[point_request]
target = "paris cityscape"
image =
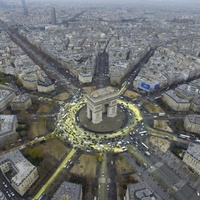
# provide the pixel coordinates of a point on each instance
(99, 100)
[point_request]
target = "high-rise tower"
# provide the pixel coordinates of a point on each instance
(25, 9)
(53, 16)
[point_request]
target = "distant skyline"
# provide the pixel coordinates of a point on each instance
(125, 1)
(174, 4)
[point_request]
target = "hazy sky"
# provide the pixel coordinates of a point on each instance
(132, 2)
(121, 1)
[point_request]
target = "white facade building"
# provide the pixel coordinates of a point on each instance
(85, 77)
(175, 102)
(25, 174)
(8, 125)
(6, 96)
(192, 157)
(21, 102)
(192, 123)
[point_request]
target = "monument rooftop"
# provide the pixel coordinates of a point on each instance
(103, 92)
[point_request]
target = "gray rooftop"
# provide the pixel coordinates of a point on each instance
(7, 124)
(194, 150)
(89, 74)
(5, 94)
(142, 191)
(68, 190)
(174, 96)
(184, 90)
(194, 119)
(196, 100)
(21, 98)
(47, 83)
(22, 166)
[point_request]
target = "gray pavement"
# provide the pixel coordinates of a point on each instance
(169, 175)
(145, 176)
(186, 193)
(103, 180)
(181, 169)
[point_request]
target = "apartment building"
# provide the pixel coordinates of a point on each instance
(24, 173)
(192, 123)
(175, 102)
(21, 102)
(6, 96)
(192, 157)
(8, 134)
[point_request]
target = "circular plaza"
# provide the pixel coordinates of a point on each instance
(72, 127)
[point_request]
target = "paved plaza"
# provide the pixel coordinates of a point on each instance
(108, 125)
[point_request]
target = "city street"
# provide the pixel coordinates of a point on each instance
(54, 176)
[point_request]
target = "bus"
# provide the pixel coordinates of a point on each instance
(64, 116)
(142, 132)
(147, 153)
(157, 97)
(144, 145)
(184, 136)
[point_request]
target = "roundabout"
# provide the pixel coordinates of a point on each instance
(73, 127)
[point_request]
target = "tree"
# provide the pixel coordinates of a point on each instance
(98, 157)
(121, 157)
(35, 155)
